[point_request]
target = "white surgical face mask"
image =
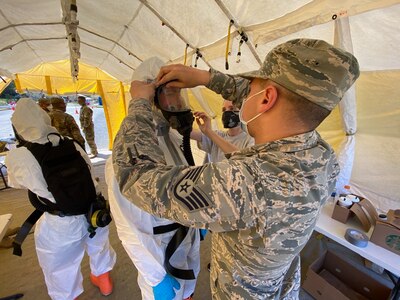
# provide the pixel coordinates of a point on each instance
(245, 123)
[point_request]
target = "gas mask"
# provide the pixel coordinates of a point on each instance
(99, 214)
(174, 108)
(230, 119)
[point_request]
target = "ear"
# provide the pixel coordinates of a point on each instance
(269, 99)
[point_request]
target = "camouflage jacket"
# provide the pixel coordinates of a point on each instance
(261, 204)
(85, 116)
(66, 125)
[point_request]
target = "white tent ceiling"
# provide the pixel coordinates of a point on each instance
(116, 36)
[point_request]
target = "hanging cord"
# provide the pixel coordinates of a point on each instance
(198, 55)
(231, 22)
(187, 151)
(243, 38)
(184, 62)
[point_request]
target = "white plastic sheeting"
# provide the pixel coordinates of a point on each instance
(116, 36)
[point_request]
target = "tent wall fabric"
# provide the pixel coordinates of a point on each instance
(54, 79)
(4, 82)
(116, 36)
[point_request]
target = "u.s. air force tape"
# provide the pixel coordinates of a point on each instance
(356, 237)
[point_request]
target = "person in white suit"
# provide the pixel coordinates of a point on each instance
(140, 232)
(60, 242)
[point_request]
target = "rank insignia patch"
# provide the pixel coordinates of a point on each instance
(187, 192)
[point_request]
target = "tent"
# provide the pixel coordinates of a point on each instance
(4, 82)
(114, 37)
(55, 78)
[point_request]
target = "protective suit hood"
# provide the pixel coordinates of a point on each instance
(148, 69)
(32, 123)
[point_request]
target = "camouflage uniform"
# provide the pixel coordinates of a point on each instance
(66, 125)
(44, 104)
(261, 204)
(85, 118)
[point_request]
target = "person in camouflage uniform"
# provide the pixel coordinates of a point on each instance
(263, 202)
(44, 103)
(63, 122)
(85, 118)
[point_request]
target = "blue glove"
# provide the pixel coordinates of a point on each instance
(203, 233)
(165, 289)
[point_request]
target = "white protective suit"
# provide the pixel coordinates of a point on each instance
(60, 241)
(135, 226)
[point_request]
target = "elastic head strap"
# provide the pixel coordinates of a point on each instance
(54, 133)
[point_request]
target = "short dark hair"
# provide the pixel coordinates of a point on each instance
(44, 100)
(300, 109)
(82, 97)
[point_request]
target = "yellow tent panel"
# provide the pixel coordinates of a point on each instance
(54, 78)
(4, 84)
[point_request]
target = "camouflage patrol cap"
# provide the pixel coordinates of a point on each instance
(55, 101)
(314, 69)
(44, 101)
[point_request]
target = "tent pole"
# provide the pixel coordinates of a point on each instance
(165, 22)
(347, 105)
(101, 93)
(109, 53)
(230, 17)
(122, 91)
(48, 85)
(348, 111)
(18, 84)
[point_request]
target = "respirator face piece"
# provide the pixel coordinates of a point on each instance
(175, 108)
(230, 119)
(170, 99)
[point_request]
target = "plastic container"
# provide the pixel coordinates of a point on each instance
(353, 198)
(344, 202)
(333, 198)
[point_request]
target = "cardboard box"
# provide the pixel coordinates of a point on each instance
(332, 277)
(341, 214)
(387, 233)
(364, 211)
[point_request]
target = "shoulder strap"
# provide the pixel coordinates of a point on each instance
(62, 139)
(54, 133)
(71, 140)
(41, 203)
(38, 150)
(24, 231)
(173, 245)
